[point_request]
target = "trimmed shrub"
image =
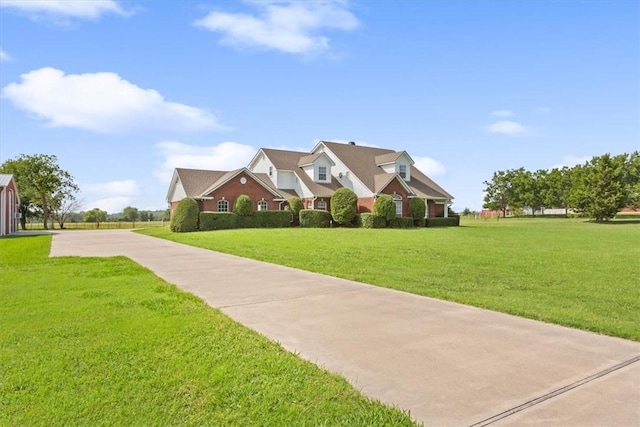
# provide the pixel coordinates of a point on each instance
(402, 222)
(385, 207)
(357, 221)
(217, 221)
(185, 216)
(295, 206)
(344, 206)
(272, 219)
(243, 206)
(417, 209)
(314, 218)
(452, 221)
(370, 220)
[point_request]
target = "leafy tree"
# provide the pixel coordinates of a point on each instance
(185, 216)
(95, 215)
(41, 183)
(604, 185)
(385, 207)
(295, 206)
(557, 188)
(146, 216)
(130, 214)
(499, 192)
(243, 206)
(344, 206)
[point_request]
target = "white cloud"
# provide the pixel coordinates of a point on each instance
(64, 9)
(286, 26)
(429, 166)
(224, 156)
(502, 113)
(4, 56)
(111, 205)
(507, 127)
(101, 102)
(114, 195)
(572, 161)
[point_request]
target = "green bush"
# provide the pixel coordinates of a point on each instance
(243, 206)
(229, 220)
(295, 206)
(452, 221)
(272, 219)
(402, 222)
(185, 216)
(369, 220)
(265, 219)
(344, 206)
(314, 218)
(417, 209)
(357, 221)
(385, 207)
(217, 221)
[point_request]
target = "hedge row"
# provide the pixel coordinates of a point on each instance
(313, 218)
(369, 220)
(229, 220)
(452, 221)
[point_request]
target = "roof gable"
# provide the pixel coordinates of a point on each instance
(227, 176)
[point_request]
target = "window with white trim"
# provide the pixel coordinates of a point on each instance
(270, 170)
(397, 198)
(322, 173)
(402, 171)
(262, 205)
(398, 208)
(322, 205)
(309, 204)
(223, 206)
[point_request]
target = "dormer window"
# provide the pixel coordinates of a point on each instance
(402, 171)
(322, 173)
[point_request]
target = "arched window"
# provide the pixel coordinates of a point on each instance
(262, 205)
(398, 200)
(223, 206)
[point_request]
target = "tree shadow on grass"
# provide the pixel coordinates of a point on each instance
(618, 222)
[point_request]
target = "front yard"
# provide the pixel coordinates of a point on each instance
(102, 341)
(563, 271)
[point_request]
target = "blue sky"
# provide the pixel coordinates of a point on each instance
(124, 91)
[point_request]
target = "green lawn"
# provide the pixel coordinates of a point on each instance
(102, 341)
(563, 271)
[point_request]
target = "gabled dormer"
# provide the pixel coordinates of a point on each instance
(398, 162)
(317, 167)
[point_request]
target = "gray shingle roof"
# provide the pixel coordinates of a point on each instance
(363, 162)
(196, 181)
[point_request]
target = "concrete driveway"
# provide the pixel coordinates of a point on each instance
(449, 364)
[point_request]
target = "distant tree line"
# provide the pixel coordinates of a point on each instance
(598, 189)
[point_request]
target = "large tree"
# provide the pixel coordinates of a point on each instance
(557, 188)
(499, 193)
(95, 215)
(130, 214)
(605, 184)
(42, 184)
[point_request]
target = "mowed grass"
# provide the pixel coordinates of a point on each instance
(102, 341)
(565, 271)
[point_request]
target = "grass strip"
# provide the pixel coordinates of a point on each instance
(564, 271)
(102, 341)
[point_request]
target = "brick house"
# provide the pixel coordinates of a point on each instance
(273, 176)
(9, 201)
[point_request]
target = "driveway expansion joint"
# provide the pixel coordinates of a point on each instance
(554, 393)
